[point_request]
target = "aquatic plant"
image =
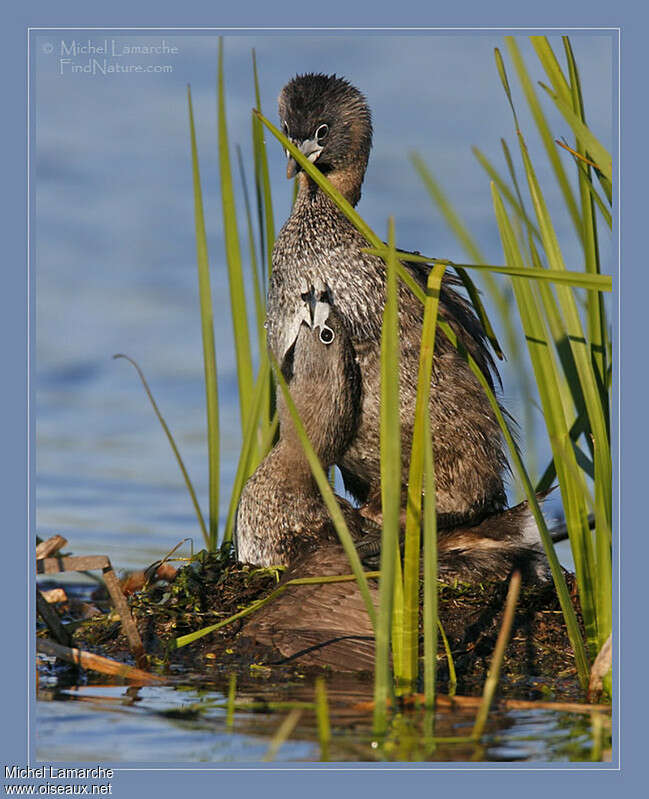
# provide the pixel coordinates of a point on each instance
(570, 360)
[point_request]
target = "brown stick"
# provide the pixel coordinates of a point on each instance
(472, 702)
(51, 619)
(54, 595)
(88, 563)
(53, 544)
(95, 662)
(128, 625)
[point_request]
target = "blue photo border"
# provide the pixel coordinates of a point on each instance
(18, 460)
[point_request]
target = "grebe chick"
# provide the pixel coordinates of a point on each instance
(281, 514)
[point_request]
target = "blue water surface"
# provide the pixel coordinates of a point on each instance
(115, 257)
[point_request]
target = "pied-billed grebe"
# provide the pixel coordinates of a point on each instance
(327, 624)
(281, 513)
(330, 121)
(282, 519)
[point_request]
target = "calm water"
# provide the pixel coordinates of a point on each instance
(114, 271)
(186, 725)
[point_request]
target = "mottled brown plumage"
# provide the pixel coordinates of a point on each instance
(283, 520)
(328, 624)
(281, 513)
(330, 121)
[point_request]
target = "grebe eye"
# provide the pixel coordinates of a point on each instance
(327, 335)
(321, 133)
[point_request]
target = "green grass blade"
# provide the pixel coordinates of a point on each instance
(430, 571)
(341, 202)
(584, 169)
(207, 332)
(233, 256)
(262, 177)
(551, 66)
(247, 462)
(501, 298)
(519, 469)
(415, 479)
(189, 638)
(260, 309)
(544, 131)
(465, 239)
(603, 538)
(283, 733)
(232, 692)
(575, 333)
(452, 675)
(173, 446)
(322, 718)
(450, 215)
(562, 276)
(390, 432)
(491, 683)
(546, 373)
(596, 315)
(563, 91)
(260, 305)
(596, 151)
(506, 192)
(548, 477)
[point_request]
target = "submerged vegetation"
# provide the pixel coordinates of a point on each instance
(568, 342)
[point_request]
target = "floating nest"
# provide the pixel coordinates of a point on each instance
(539, 662)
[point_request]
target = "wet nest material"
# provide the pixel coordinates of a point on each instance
(539, 663)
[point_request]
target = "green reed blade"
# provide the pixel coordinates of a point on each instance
(452, 675)
(574, 330)
(341, 202)
(430, 570)
(463, 236)
(172, 443)
(560, 276)
(415, 479)
(501, 298)
(546, 373)
(283, 733)
(491, 683)
(247, 461)
(314, 173)
(260, 309)
(562, 90)
(596, 151)
(544, 131)
(322, 718)
(232, 692)
(233, 255)
(568, 383)
(207, 332)
(519, 469)
(551, 66)
(262, 177)
(260, 304)
(320, 476)
(189, 638)
(584, 169)
(390, 432)
(603, 539)
(506, 192)
(596, 314)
